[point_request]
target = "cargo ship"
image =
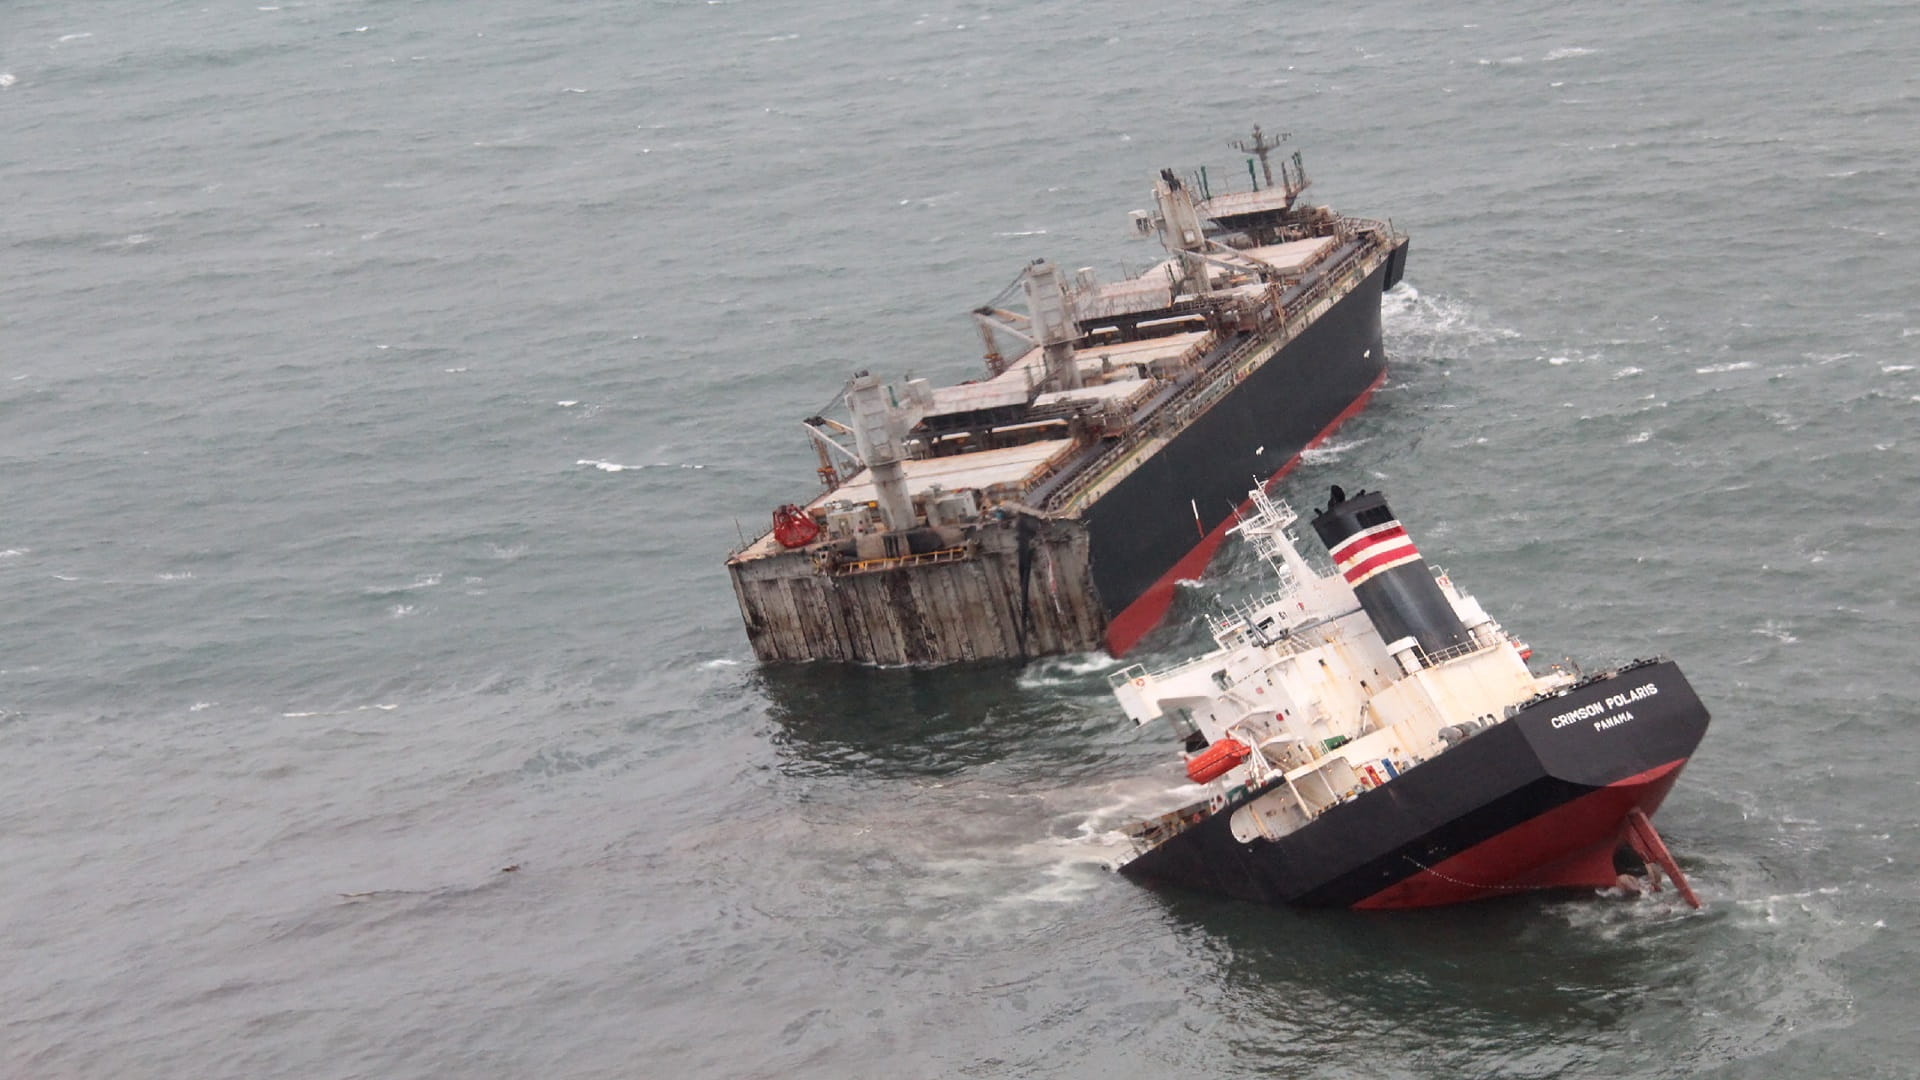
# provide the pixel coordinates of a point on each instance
(1051, 505)
(1367, 736)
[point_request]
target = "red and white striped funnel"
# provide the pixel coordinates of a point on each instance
(1393, 583)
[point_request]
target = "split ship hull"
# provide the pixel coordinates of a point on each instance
(1101, 571)
(1541, 801)
(1166, 519)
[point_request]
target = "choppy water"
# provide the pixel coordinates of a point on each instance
(380, 385)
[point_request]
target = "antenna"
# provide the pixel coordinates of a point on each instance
(1259, 146)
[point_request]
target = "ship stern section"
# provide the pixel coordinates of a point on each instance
(1544, 800)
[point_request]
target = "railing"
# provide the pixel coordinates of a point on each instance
(1243, 618)
(1455, 652)
(901, 562)
(1116, 464)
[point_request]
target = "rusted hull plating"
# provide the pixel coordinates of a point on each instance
(1021, 588)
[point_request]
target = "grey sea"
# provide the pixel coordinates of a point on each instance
(382, 386)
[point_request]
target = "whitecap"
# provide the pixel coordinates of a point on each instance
(7, 79)
(719, 662)
(1640, 438)
(421, 581)
(183, 575)
(199, 705)
(1895, 369)
(1719, 369)
(608, 466)
(1628, 372)
(1028, 232)
(1330, 452)
(1409, 312)
(12, 553)
(1568, 53)
(338, 712)
(566, 404)
(82, 36)
(1073, 664)
(400, 611)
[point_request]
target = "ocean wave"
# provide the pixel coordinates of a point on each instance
(1410, 315)
(1329, 452)
(614, 466)
(1064, 670)
(338, 712)
(422, 581)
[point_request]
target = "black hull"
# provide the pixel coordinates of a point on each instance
(1537, 802)
(1144, 535)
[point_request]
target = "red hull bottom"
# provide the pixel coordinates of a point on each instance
(1570, 846)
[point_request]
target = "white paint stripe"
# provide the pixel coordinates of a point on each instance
(1363, 534)
(1383, 568)
(1372, 551)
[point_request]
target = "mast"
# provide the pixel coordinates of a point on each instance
(1259, 146)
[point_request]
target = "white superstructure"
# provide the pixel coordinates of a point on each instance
(1301, 688)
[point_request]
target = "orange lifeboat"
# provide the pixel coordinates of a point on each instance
(1215, 760)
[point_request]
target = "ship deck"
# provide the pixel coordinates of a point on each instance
(1146, 357)
(1007, 472)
